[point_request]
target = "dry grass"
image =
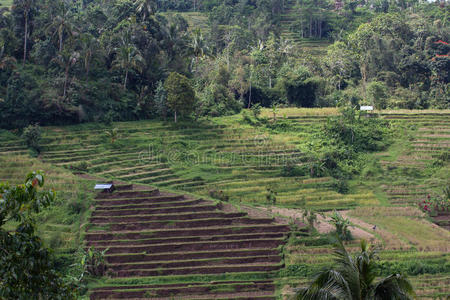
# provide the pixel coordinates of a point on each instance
(416, 231)
(386, 212)
(301, 112)
(415, 111)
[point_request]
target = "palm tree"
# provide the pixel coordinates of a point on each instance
(66, 60)
(26, 6)
(61, 25)
(145, 8)
(89, 48)
(128, 57)
(198, 45)
(354, 278)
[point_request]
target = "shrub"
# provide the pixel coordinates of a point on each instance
(76, 207)
(341, 224)
(80, 167)
(246, 118)
(271, 196)
(55, 240)
(256, 110)
(32, 136)
(341, 186)
(377, 94)
(359, 133)
(219, 195)
(293, 170)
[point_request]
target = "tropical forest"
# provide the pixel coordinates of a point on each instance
(234, 149)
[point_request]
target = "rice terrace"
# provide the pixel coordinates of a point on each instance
(206, 149)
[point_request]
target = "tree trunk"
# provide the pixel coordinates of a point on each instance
(87, 72)
(250, 94)
(60, 41)
(364, 78)
(65, 82)
(25, 39)
(125, 81)
(175, 115)
(310, 26)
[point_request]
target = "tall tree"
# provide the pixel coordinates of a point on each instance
(145, 8)
(128, 58)
(66, 60)
(180, 95)
(26, 6)
(354, 278)
(61, 25)
(198, 45)
(89, 48)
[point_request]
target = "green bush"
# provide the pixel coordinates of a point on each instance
(55, 240)
(293, 170)
(341, 186)
(377, 94)
(32, 137)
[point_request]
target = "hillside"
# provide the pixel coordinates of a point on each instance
(229, 160)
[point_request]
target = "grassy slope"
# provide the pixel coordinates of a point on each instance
(6, 3)
(61, 225)
(406, 236)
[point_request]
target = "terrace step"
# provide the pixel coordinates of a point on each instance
(139, 257)
(147, 173)
(170, 224)
(169, 204)
(274, 259)
(152, 200)
(200, 270)
(127, 194)
(212, 290)
(211, 238)
(127, 211)
(194, 246)
(163, 217)
(171, 233)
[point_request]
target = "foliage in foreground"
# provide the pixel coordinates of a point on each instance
(354, 278)
(27, 265)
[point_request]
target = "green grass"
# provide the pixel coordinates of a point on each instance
(6, 3)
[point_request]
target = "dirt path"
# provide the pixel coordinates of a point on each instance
(323, 226)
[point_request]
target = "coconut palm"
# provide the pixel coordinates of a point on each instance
(60, 25)
(26, 6)
(128, 57)
(89, 48)
(198, 46)
(353, 278)
(145, 8)
(66, 60)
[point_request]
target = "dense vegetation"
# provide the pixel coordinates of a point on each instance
(74, 61)
(27, 264)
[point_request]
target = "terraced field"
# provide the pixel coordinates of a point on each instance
(409, 169)
(149, 234)
(60, 225)
(237, 161)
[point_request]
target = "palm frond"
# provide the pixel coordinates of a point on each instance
(327, 285)
(393, 287)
